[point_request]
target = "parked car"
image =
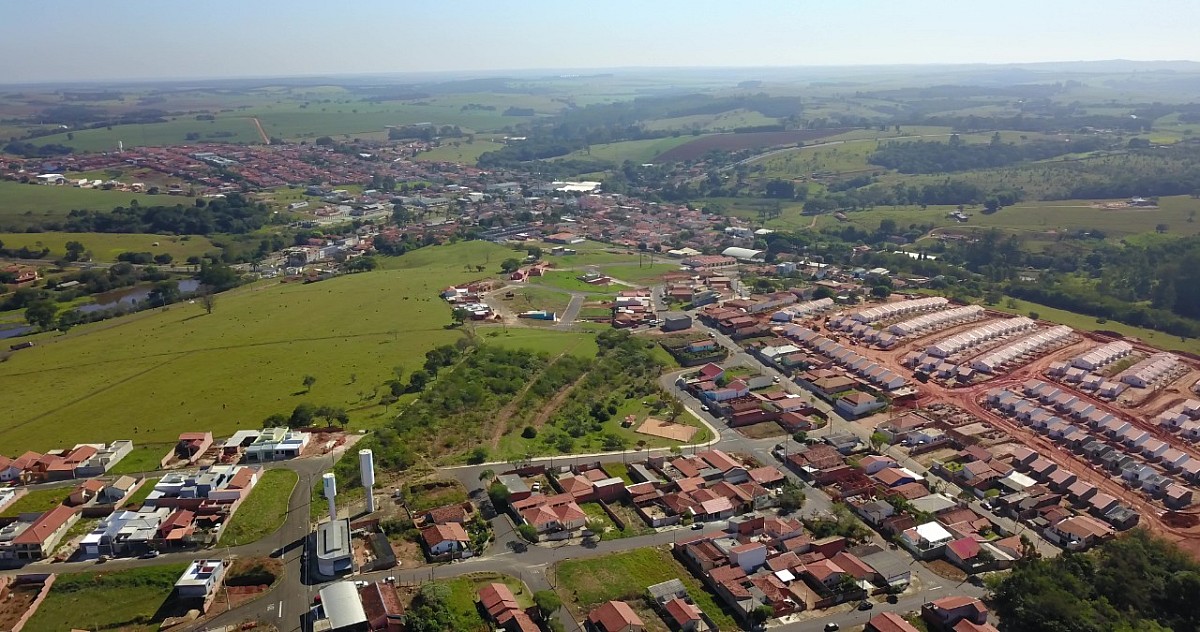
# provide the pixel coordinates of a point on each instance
(832, 627)
(865, 605)
(696, 526)
(149, 555)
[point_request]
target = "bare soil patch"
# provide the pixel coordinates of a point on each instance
(667, 430)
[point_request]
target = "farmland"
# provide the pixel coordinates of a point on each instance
(741, 142)
(637, 151)
(154, 374)
(24, 204)
(106, 246)
(464, 152)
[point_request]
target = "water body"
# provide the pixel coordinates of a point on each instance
(14, 331)
(129, 297)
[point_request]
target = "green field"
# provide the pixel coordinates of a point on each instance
(142, 492)
(106, 246)
(461, 152)
(539, 340)
(152, 375)
(226, 128)
(567, 280)
(143, 458)
(37, 501)
(637, 151)
(130, 600)
(25, 204)
(463, 605)
(645, 274)
(263, 511)
(533, 298)
(584, 584)
(725, 121)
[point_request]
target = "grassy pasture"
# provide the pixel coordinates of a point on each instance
(106, 246)
(638, 151)
(225, 128)
(129, 600)
(151, 375)
(36, 501)
(263, 511)
(729, 120)
(23, 204)
(463, 153)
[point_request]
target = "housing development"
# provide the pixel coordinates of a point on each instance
(789, 348)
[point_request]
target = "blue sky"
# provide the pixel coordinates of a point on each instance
(124, 39)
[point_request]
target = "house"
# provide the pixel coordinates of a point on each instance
(37, 539)
(965, 553)
(383, 608)
(117, 490)
(549, 518)
(125, 532)
(85, 492)
(277, 443)
(947, 612)
(192, 445)
(685, 616)
(1178, 496)
(889, 622)
(858, 403)
(899, 428)
(826, 572)
(501, 606)
(614, 616)
(445, 539)
(200, 581)
(1077, 532)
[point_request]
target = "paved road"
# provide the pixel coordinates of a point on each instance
(567, 319)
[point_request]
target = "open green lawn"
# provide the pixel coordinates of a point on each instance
(637, 151)
(539, 339)
(462, 601)
(263, 511)
(460, 151)
(152, 375)
(533, 298)
(129, 600)
(106, 246)
(584, 584)
(226, 128)
(646, 274)
(23, 204)
(142, 492)
(143, 458)
(567, 280)
(37, 501)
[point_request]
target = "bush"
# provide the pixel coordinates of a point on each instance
(478, 455)
(547, 601)
(528, 532)
(529, 432)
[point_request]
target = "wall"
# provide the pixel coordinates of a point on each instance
(47, 582)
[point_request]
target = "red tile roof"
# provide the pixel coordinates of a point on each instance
(438, 533)
(45, 526)
(681, 611)
(890, 622)
(496, 598)
(615, 615)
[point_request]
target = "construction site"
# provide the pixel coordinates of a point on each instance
(1115, 413)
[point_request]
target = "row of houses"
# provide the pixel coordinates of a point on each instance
(85, 460)
(708, 486)
(872, 372)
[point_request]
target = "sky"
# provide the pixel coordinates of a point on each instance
(73, 40)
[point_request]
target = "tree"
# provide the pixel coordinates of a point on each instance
(878, 439)
(510, 265)
(323, 141)
(308, 382)
(487, 474)
(41, 314)
(417, 381)
(460, 315)
(529, 532)
(478, 455)
(759, 615)
(208, 299)
(791, 498)
(1161, 228)
(75, 250)
(163, 259)
(529, 432)
(676, 408)
(547, 602)
(499, 495)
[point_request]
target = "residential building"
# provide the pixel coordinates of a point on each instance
(200, 581)
(446, 539)
(889, 622)
(29, 541)
(614, 616)
(273, 444)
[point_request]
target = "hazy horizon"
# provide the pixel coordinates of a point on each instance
(141, 40)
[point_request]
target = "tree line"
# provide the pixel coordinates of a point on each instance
(921, 156)
(234, 214)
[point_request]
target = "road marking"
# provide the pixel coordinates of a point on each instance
(280, 608)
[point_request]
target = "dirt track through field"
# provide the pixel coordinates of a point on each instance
(261, 133)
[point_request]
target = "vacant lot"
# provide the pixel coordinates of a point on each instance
(176, 367)
(584, 584)
(143, 458)
(106, 246)
(463, 608)
(37, 501)
(462, 152)
(133, 600)
(740, 142)
(264, 511)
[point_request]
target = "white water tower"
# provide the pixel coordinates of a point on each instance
(366, 472)
(329, 482)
